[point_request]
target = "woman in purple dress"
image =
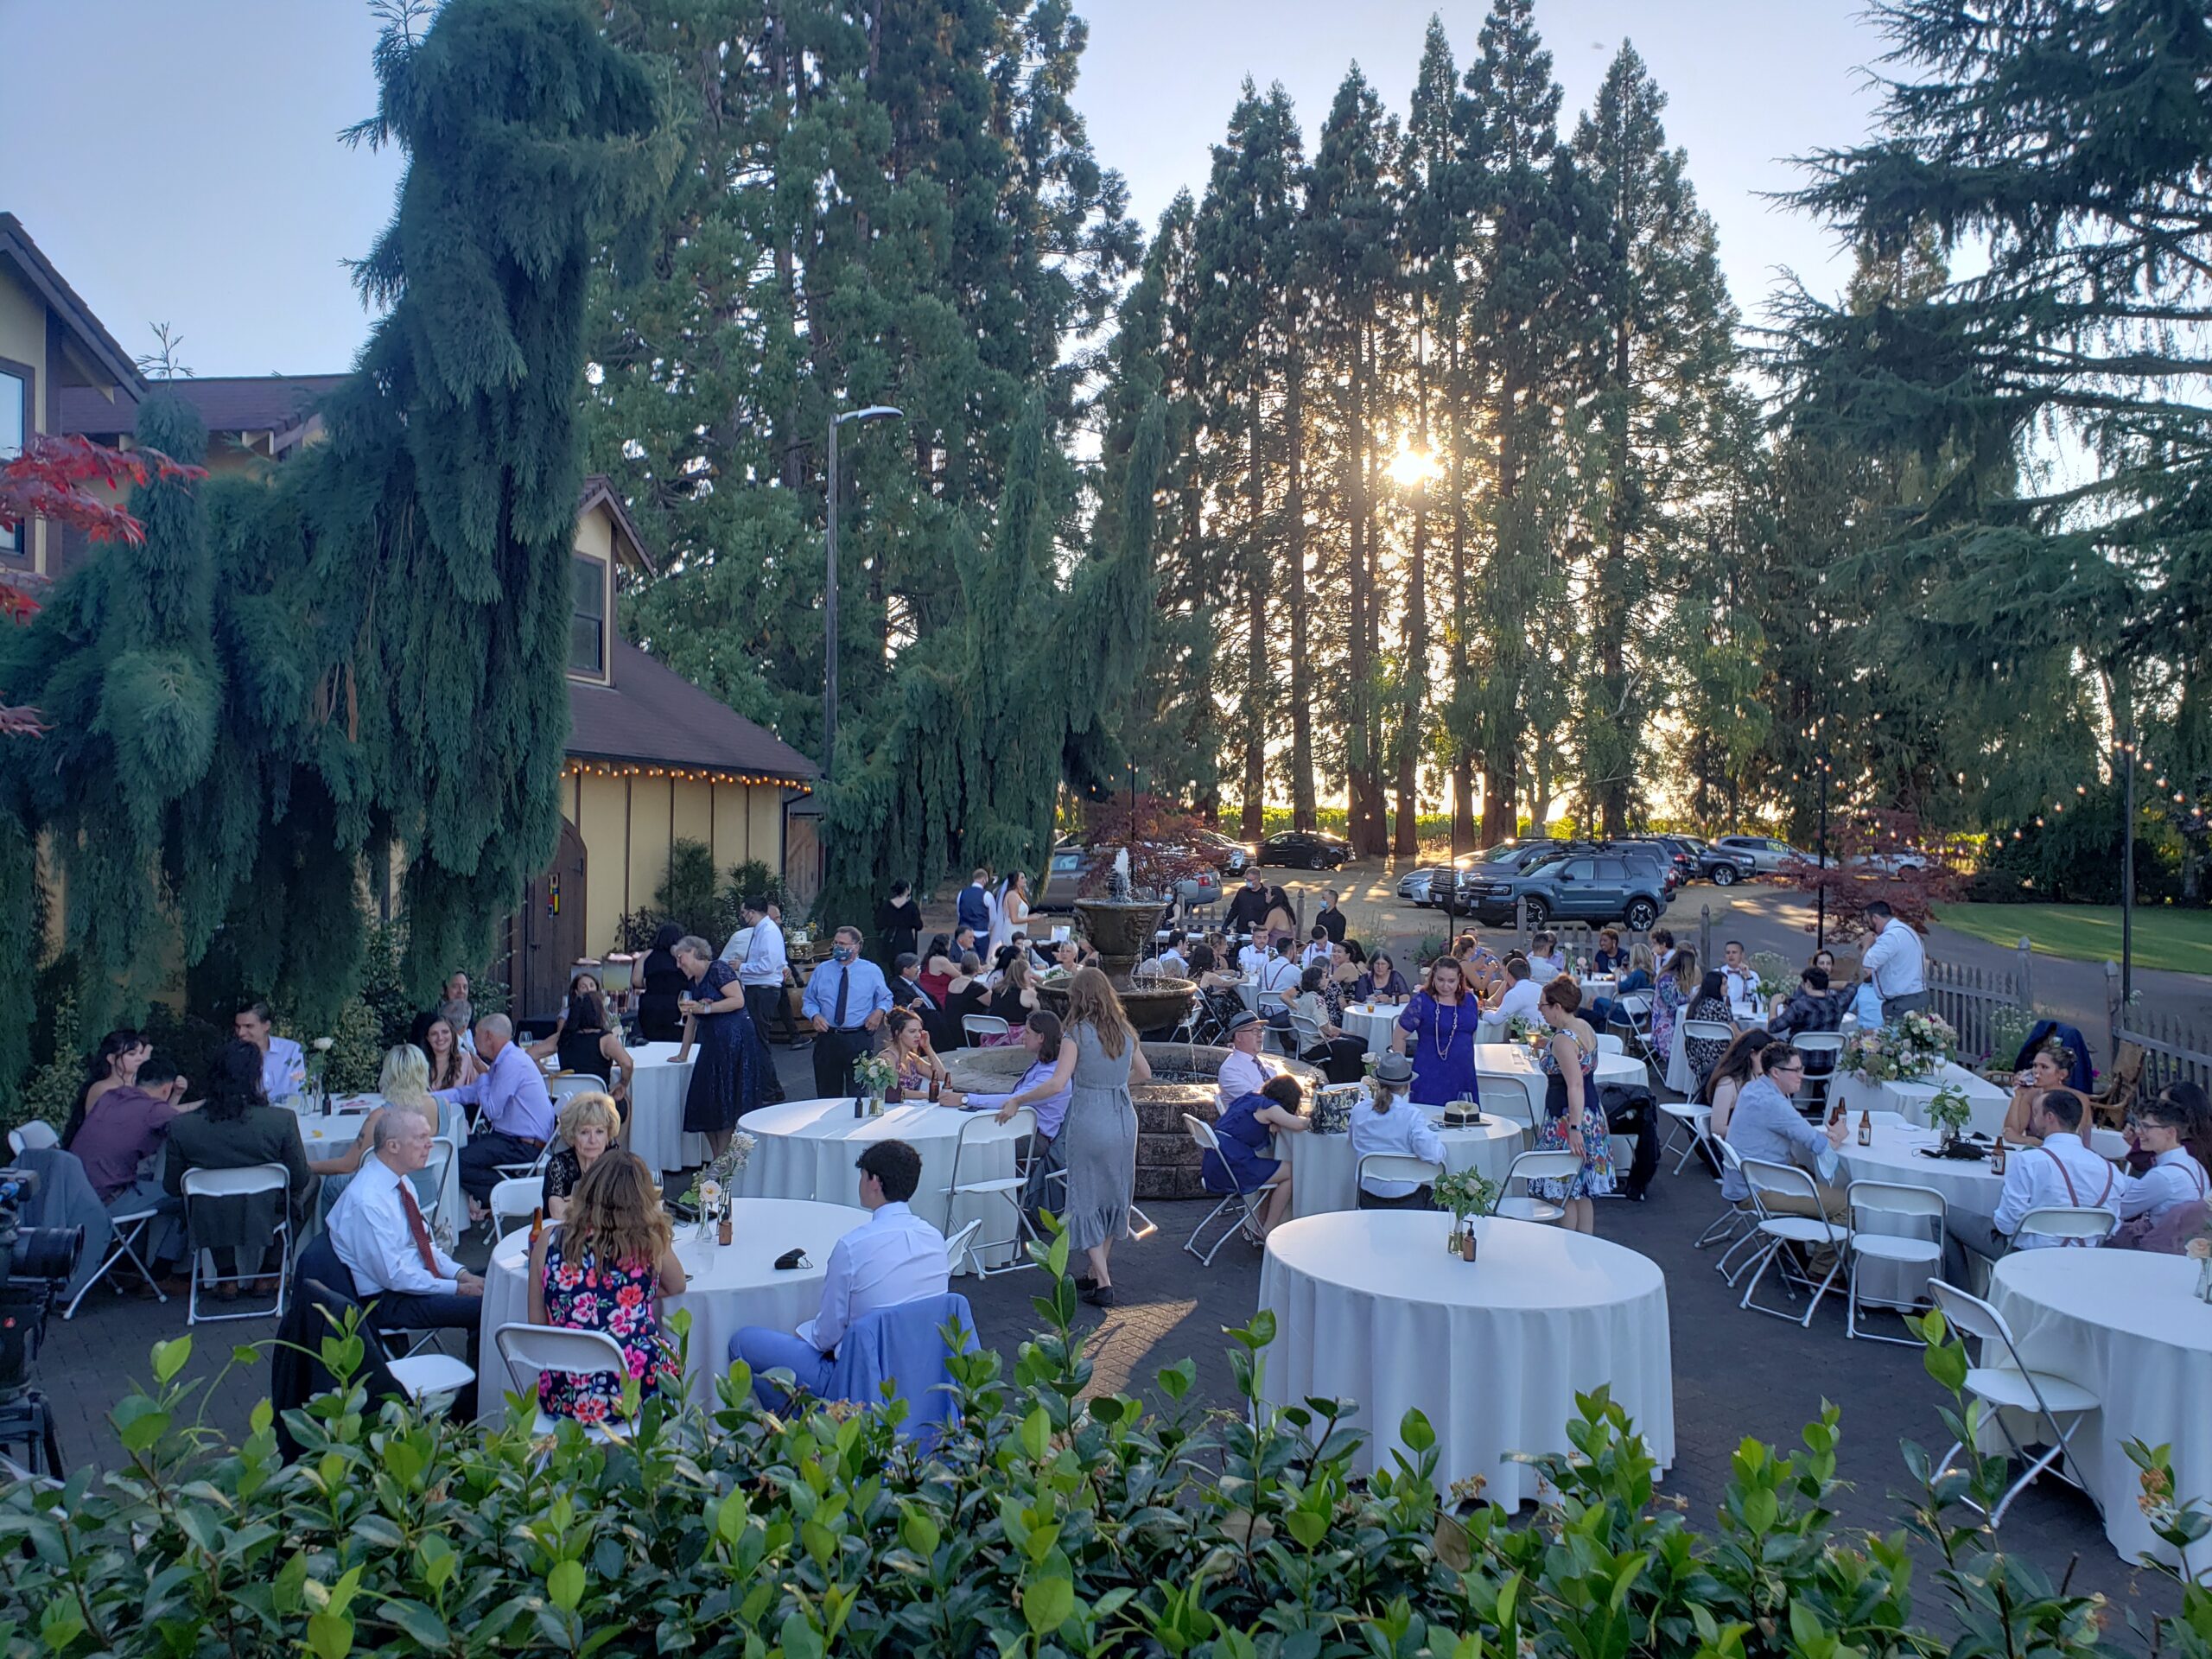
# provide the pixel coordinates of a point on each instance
(1439, 1027)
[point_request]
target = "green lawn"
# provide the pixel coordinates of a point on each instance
(2164, 938)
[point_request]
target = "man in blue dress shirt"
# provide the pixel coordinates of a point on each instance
(846, 1001)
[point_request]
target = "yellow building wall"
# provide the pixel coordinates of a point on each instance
(595, 532)
(628, 824)
(22, 337)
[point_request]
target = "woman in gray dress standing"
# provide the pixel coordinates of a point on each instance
(1098, 1061)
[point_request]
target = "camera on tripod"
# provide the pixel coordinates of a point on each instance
(38, 1263)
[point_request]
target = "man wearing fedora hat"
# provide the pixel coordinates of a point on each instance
(1247, 1070)
(1390, 1124)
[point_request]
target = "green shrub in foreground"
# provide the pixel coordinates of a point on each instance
(1050, 1525)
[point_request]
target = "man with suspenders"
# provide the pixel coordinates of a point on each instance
(2061, 1173)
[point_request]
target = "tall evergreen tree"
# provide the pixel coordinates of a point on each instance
(367, 654)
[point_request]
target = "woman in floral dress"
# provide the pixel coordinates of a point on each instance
(606, 1268)
(1677, 986)
(1573, 1121)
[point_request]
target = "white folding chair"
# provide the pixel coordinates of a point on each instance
(1632, 1018)
(124, 1246)
(33, 1136)
(534, 1348)
(1812, 1098)
(517, 1197)
(1737, 1224)
(1688, 1114)
(957, 1247)
(1250, 1198)
(1707, 1031)
(1915, 1206)
(1781, 1231)
(430, 1372)
(1610, 1043)
(565, 1085)
(1549, 1166)
(977, 1026)
(1509, 1096)
(2078, 1226)
(1022, 1126)
(218, 1185)
(443, 1152)
(2012, 1386)
(1395, 1166)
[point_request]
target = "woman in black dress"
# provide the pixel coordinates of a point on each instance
(586, 1045)
(1711, 1003)
(726, 1081)
(658, 1019)
(966, 994)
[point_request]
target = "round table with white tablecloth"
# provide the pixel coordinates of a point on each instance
(1325, 1172)
(1371, 1023)
(807, 1149)
(1895, 1157)
(653, 1119)
(327, 1137)
(1909, 1100)
(2126, 1326)
(1370, 1308)
(731, 1285)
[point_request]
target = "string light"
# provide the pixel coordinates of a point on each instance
(679, 774)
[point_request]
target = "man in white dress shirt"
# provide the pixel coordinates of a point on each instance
(760, 963)
(1246, 1071)
(895, 1257)
(284, 1068)
(1736, 975)
(1895, 964)
(1279, 971)
(1523, 995)
(378, 1228)
(2061, 1173)
(2175, 1180)
(1388, 1121)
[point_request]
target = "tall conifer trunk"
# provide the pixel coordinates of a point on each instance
(1256, 643)
(1303, 815)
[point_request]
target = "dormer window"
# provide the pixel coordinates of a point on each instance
(15, 382)
(587, 624)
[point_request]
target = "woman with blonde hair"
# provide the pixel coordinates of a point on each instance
(606, 1268)
(404, 1083)
(906, 1042)
(587, 1125)
(1099, 1059)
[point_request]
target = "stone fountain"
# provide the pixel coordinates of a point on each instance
(1119, 930)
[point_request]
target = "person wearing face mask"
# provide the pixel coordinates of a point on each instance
(847, 1001)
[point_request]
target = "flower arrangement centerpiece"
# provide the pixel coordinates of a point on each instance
(1525, 1028)
(1949, 1111)
(1912, 1045)
(1466, 1193)
(1772, 974)
(874, 1074)
(710, 1193)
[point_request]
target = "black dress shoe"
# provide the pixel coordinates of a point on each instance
(1099, 1295)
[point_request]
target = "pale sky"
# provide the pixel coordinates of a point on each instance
(179, 163)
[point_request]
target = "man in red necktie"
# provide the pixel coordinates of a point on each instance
(380, 1233)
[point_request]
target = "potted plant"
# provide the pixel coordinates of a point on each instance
(1949, 1111)
(1466, 1193)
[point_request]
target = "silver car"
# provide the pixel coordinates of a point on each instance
(1767, 855)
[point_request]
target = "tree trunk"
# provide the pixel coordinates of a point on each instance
(1415, 628)
(1357, 758)
(1375, 842)
(1303, 815)
(1612, 599)
(1463, 772)
(1255, 661)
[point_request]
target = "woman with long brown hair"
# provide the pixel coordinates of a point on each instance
(1439, 1025)
(451, 1065)
(606, 1268)
(1099, 1059)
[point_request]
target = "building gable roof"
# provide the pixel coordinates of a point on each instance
(226, 402)
(651, 716)
(102, 347)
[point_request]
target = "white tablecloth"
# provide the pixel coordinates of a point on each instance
(1370, 1308)
(1909, 1100)
(806, 1150)
(1505, 1070)
(655, 1127)
(1325, 1174)
(326, 1137)
(2126, 1326)
(1895, 1157)
(730, 1286)
(1371, 1023)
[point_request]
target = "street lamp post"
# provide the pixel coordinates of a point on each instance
(874, 412)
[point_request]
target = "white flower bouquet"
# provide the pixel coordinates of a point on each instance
(1911, 1047)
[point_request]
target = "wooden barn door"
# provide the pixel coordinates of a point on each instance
(551, 930)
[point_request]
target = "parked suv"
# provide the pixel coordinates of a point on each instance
(1722, 866)
(1767, 855)
(1596, 885)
